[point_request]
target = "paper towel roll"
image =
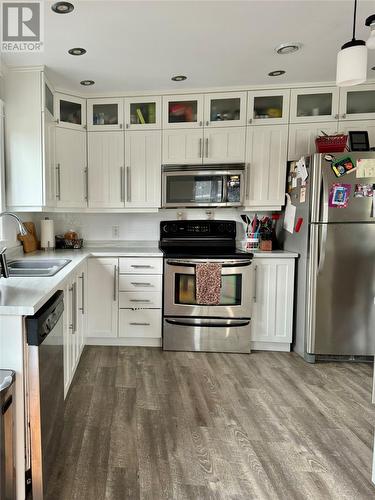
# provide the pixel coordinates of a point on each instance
(47, 234)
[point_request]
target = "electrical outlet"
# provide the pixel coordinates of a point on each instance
(115, 232)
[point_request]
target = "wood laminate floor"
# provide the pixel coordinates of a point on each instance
(145, 424)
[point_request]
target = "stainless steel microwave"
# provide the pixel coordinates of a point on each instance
(203, 185)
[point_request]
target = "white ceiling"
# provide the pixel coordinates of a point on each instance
(139, 45)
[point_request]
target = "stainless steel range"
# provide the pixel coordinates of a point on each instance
(192, 326)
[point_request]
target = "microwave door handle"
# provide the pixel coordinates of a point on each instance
(224, 194)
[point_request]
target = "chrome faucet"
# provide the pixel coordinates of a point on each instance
(4, 271)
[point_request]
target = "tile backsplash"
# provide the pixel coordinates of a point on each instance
(129, 227)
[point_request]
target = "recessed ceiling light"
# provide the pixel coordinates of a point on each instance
(288, 48)
(77, 51)
(278, 72)
(179, 78)
(87, 83)
(62, 7)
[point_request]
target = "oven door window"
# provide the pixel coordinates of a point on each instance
(231, 289)
(194, 189)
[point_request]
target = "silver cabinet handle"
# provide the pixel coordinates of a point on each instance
(120, 125)
(122, 184)
(58, 192)
(247, 189)
(140, 324)
(336, 117)
(200, 148)
(140, 284)
(140, 300)
(128, 187)
(255, 284)
(87, 183)
(82, 308)
(73, 324)
(250, 120)
(114, 283)
(140, 266)
(343, 116)
(200, 123)
(127, 125)
(206, 147)
(207, 123)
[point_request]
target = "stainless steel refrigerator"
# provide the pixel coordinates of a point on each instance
(335, 288)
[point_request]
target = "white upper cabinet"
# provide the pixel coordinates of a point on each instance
(225, 110)
(183, 111)
(71, 171)
(182, 147)
(302, 137)
(224, 145)
(142, 113)
(70, 111)
(105, 114)
(268, 107)
(106, 169)
(314, 105)
(266, 158)
(357, 103)
(49, 158)
(142, 169)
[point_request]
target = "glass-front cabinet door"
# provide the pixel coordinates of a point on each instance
(357, 103)
(143, 113)
(268, 107)
(314, 105)
(71, 111)
(225, 110)
(183, 111)
(105, 114)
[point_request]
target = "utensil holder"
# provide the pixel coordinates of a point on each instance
(252, 242)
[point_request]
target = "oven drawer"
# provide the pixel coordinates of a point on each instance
(140, 283)
(140, 299)
(140, 323)
(206, 334)
(141, 266)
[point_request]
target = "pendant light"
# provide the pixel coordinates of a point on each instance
(352, 60)
(370, 21)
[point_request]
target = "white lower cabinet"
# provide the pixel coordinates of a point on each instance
(266, 159)
(102, 297)
(302, 137)
(140, 323)
(272, 316)
(140, 300)
(74, 320)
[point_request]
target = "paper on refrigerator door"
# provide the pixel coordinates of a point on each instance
(301, 169)
(290, 215)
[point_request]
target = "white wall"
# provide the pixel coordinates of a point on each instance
(132, 227)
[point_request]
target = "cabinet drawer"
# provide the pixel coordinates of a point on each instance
(140, 283)
(143, 323)
(139, 299)
(141, 266)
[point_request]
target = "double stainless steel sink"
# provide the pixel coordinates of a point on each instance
(36, 267)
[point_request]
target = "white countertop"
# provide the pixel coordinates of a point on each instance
(23, 296)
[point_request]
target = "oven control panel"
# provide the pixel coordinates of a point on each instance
(198, 228)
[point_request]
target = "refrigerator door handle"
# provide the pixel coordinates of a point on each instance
(322, 238)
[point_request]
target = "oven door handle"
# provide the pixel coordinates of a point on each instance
(222, 323)
(192, 263)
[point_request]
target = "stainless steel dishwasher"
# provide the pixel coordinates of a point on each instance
(46, 390)
(7, 470)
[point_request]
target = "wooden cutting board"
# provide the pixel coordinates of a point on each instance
(30, 241)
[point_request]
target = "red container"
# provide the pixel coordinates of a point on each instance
(331, 143)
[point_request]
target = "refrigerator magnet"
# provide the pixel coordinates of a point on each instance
(343, 166)
(302, 195)
(339, 195)
(364, 191)
(365, 167)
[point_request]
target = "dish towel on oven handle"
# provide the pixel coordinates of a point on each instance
(208, 283)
